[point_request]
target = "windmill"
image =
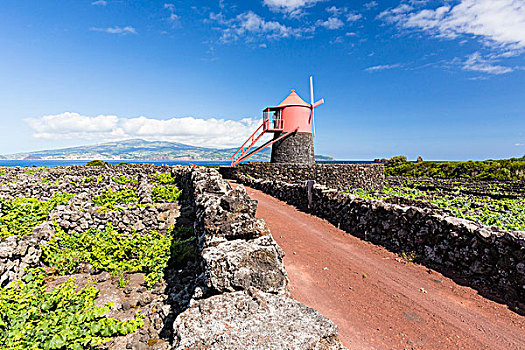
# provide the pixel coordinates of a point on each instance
(292, 123)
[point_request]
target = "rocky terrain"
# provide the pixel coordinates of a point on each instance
(171, 258)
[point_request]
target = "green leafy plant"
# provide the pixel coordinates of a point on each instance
(125, 180)
(31, 172)
(2, 172)
(21, 215)
(506, 213)
(110, 198)
(65, 318)
(168, 193)
(165, 179)
(182, 248)
(485, 170)
(114, 252)
(84, 181)
(100, 178)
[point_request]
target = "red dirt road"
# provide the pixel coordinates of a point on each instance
(379, 302)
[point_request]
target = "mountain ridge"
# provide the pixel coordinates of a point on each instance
(137, 149)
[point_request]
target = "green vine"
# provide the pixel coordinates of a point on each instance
(165, 179)
(64, 318)
(125, 180)
(487, 169)
(109, 199)
(31, 172)
(20, 216)
(168, 194)
(506, 213)
(111, 251)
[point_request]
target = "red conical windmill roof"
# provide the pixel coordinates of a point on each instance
(293, 100)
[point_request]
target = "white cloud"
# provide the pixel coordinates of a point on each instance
(352, 16)
(335, 11)
(250, 26)
(370, 5)
(194, 131)
(173, 17)
(499, 23)
(334, 21)
(331, 23)
(519, 144)
(99, 3)
(383, 67)
(251, 22)
(115, 30)
(337, 40)
(477, 63)
(292, 7)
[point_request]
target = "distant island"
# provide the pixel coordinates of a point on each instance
(138, 149)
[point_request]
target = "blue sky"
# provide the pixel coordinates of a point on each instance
(440, 79)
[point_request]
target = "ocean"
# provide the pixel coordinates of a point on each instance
(55, 163)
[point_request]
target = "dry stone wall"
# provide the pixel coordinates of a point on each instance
(333, 175)
(488, 258)
(18, 254)
(241, 299)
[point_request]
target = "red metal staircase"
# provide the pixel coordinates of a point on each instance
(269, 124)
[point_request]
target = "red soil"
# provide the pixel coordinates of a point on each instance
(378, 300)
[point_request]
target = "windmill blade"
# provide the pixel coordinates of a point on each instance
(311, 90)
(318, 103)
(313, 123)
(312, 104)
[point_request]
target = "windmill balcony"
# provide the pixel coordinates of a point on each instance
(272, 121)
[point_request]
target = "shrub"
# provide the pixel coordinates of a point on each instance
(97, 163)
(484, 170)
(397, 160)
(64, 318)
